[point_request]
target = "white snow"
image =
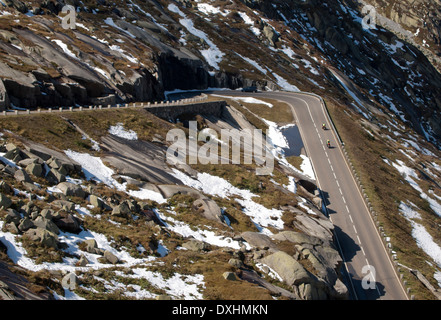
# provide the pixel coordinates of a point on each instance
(292, 185)
(109, 21)
(254, 64)
(216, 186)
(306, 166)
(65, 49)
(247, 100)
(250, 22)
(423, 239)
(210, 9)
(284, 84)
(124, 54)
(213, 56)
(119, 131)
(410, 175)
(94, 168)
(182, 286)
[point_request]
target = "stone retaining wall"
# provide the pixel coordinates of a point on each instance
(173, 111)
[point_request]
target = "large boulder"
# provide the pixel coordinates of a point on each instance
(22, 176)
(316, 226)
(55, 177)
(5, 202)
(289, 269)
(67, 222)
(195, 245)
(4, 98)
(45, 237)
(297, 237)
(71, 189)
(208, 209)
(35, 169)
(122, 210)
(258, 240)
(46, 224)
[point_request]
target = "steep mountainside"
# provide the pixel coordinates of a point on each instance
(134, 50)
(382, 86)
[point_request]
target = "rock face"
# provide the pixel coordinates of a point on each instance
(70, 189)
(291, 271)
(4, 99)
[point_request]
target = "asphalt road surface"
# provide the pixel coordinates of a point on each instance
(368, 269)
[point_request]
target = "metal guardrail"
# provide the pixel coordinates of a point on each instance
(147, 105)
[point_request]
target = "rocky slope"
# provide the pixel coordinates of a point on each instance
(136, 50)
(121, 223)
(382, 85)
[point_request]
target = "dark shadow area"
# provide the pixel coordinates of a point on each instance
(326, 202)
(348, 246)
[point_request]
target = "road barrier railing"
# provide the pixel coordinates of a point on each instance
(76, 108)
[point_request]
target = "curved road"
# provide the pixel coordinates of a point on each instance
(364, 255)
(361, 247)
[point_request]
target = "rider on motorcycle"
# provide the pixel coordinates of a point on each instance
(328, 143)
(324, 126)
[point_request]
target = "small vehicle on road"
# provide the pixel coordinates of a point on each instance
(249, 89)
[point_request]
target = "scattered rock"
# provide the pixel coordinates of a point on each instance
(92, 247)
(195, 245)
(236, 263)
(258, 240)
(71, 189)
(231, 276)
(44, 236)
(208, 209)
(6, 188)
(122, 210)
(35, 169)
(291, 271)
(64, 204)
(55, 177)
(109, 256)
(25, 224)
(22, 176)
(68, 222)
(82, 262)
(96, 201)
(46, 224)
(12, 216)
(5, 202)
